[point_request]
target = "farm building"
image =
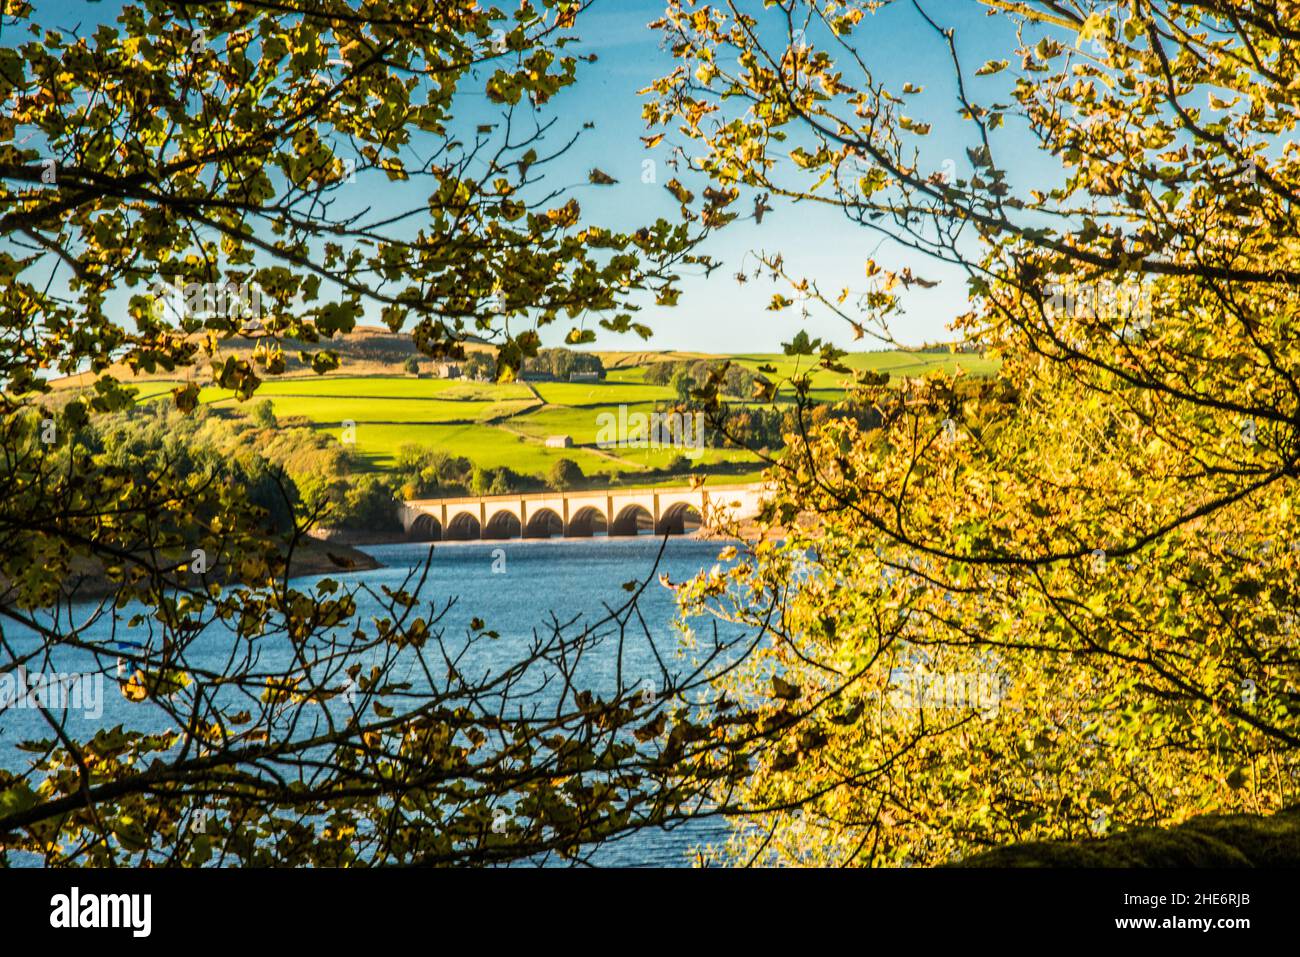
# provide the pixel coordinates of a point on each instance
(559, 442)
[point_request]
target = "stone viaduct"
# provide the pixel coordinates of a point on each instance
(579, 514)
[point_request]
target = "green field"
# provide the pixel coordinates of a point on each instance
(897, 364)
(827, 386)
(601, 393)
(392, 411)
(498, 425)
(354, 387)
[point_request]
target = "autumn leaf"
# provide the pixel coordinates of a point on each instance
(785, 690)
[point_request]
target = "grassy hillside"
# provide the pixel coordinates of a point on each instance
(498, 425)
(897, 364)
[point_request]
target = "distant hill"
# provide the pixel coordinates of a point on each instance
(367, 350)
(376, 351)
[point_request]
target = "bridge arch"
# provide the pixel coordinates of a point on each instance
(544, 523)
(425, 528)
(463, 527)
(586, 522)
(503, 524)
(633, 520)
(680, 518)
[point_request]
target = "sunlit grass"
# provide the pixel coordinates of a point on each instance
(496, 425)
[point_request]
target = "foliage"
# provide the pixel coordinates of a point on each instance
(1210, 840)
(479, 365)
(207, 159)
(1062, 601)
(263, 415)
(565, 473)
(561, 363)
(430, 473)
(683, 375)
(317, 98)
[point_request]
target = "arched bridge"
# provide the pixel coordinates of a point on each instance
(579, 514)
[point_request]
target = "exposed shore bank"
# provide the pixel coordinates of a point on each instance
(88, 579)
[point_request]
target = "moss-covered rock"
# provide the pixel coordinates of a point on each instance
(1212, 840)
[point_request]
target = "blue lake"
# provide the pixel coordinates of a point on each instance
(515, 587)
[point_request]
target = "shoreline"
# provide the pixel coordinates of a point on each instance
(347, 553)
(311, 558)
(749, 532)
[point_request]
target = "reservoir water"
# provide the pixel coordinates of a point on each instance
(515, 587)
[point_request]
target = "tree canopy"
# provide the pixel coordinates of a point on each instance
(190, 174)
(1062, 601)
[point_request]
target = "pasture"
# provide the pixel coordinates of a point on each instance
(507, 424)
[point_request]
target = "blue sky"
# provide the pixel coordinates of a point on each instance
(718, 314)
